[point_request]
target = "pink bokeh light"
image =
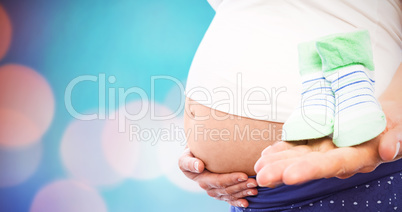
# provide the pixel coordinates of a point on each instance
(26, 105)
(5, 32)
(67, 196)
(82, 155)
(133, 153)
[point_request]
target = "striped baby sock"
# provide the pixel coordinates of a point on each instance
(314, 116)
(347, 63)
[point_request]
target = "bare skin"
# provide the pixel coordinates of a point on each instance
(227, 143)
(362, 158)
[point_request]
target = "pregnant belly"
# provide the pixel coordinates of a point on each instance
(224, 142)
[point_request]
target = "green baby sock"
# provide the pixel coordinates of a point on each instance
(314, 116)
(347, 62)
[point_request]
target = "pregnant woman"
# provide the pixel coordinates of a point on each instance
(243, 85)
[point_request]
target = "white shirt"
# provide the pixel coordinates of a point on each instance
(247, 62)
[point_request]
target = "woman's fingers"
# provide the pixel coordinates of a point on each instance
(340, 162)
(390, 144)
(233, 197)
(313, 166)
(316, 160)
(230, 187)
(245, 193)
(188, 163)
(239, 203)
(277, 147)
(279, 156)
(238, 190)
(281, 146)
(210, 180)
(271, 175)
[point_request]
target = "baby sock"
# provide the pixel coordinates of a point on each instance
(347, 62)
(313, 118)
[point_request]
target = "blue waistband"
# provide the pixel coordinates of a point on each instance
(285, 195)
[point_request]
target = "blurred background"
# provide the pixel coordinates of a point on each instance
(91, 99)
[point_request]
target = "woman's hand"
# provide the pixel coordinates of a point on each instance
(390, 144)
(289, 163)
(232, 187)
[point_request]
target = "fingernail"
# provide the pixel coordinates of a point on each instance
(250, 193)
(242, 179)
(196, 166)
(251, 185)
(398, 146)
(241, 205)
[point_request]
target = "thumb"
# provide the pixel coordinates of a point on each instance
(390, 145)
(188, 162)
